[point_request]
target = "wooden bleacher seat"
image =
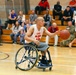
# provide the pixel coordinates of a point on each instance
(59, 22)
(27, 16)
(6, 32)
(6, 36)
(42, 13)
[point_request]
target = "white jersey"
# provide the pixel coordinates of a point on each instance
(37, 34)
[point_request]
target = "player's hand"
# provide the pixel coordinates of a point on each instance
(57, 32)
(36, 42)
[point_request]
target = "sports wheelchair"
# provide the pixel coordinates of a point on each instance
(28, 56)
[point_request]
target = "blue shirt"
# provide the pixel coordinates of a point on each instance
(13, 15)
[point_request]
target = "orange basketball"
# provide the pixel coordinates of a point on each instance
(64, 34)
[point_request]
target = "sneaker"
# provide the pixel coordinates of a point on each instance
(7, 28)
(14, 43)
(44, 64)
(55, 45)
(21, 43)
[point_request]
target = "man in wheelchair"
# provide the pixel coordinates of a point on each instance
(34, 35)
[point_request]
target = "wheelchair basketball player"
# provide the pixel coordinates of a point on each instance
(34, 35)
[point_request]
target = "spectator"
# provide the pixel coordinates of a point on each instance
(21, 17)
(47, 19)
(12, 18)
(74, 20)
(74, 41)
(43, 5)
(67, 15)
(53, 29)
(27, 23)
(15, 32)
(57, 10)
(22, 34)
(24, 26)
(1, 32)
(72, 4)
(71, 29)
(33, 17)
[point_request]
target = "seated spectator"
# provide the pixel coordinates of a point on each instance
(47, 19)
(67, 15)
(1, 32)
(27, 23)
(57, 10)
(21, 17)
(22, 34)
(53, 29)
(71, 29)
(43, 5)
(12, 18)
(24, 26)
(74, 20)
(15, 32)
(74, 41)
(32, 17)
(72, 4)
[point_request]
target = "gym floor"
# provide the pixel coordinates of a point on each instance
(63, 58)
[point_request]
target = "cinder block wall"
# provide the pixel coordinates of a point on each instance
(64, 3)
(2, 10)
(7, 5)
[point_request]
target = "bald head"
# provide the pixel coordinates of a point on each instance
(40, 21)
(54, 25)
(69, 23)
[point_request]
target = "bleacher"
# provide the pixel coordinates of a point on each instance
(6, 36)
(6, 33)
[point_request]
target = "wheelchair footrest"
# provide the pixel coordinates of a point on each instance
(41, 65)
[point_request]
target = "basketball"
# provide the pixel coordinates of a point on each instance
(64, 34)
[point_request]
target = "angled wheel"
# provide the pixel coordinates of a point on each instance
(26, 57)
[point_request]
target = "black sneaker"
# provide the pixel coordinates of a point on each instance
(46, 64)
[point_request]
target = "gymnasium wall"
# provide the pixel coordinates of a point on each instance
(2, 10)
(64, 3)
(7, 5)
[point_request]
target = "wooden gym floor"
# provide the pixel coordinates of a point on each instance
(64, 61)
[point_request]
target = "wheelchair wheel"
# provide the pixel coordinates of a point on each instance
(26, 57)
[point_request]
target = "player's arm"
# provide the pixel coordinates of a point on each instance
(28, 34)
(49, 33)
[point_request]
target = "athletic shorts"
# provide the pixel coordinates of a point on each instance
(41, 47)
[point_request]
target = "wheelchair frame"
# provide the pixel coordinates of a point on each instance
(27, 57)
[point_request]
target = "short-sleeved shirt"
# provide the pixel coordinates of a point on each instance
(58, 7)
(52, 29)
(13, 15)
(72, 2)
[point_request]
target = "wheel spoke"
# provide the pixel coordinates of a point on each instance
(26, 57)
